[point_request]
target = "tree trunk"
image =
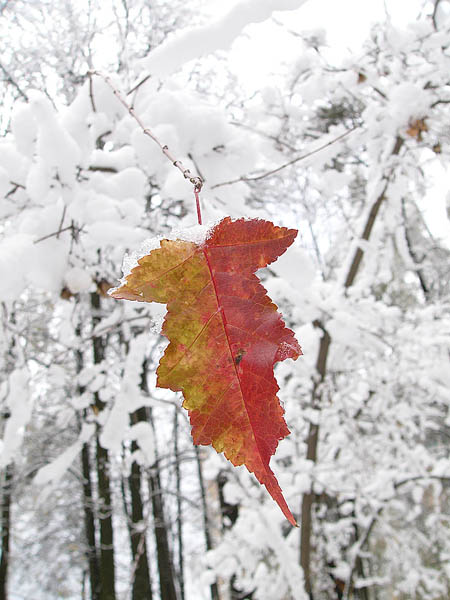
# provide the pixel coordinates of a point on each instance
(142, 588)
(179, 505)
(311, 454)
(165, 564)
(321, 368)
(107, 569)
(7, 476)
(229, 514)
(88, 499)
(5, 530)
(208, 543)
(166, 568)
(89, 524)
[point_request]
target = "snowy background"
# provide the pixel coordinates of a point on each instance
(332, 118)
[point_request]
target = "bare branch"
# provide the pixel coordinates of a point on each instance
(439, 102)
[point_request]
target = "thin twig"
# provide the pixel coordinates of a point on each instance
(274, 138)
(196, 180)
(13, 82)
(103, 169)
(54, 234)
(62, 220)
(202, 177)
(288, 164)
(138, 85)
(439, 102)
(91, 92)
(16, 187)
(72, 227)
(434, 15)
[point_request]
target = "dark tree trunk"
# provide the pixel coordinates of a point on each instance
(166, 569)
(179, 505)
(6, 483)
(107, 568)
(88, 501)
(5, 530)
(89, 524)
(142, 588)
(165, 563)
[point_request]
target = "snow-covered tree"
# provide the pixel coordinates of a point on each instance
(103, 494)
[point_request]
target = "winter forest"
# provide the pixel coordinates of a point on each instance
(103, 494)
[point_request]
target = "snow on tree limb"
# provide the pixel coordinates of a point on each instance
(19, 410)
(54, 471)
(217, 35)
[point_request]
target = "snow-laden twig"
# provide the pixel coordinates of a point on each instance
(287, 164)
(196, 180)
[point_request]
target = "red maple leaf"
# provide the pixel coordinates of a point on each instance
(225, 337)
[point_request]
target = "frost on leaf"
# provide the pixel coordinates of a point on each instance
(225, 336)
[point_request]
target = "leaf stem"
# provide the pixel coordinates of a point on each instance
(197, 202)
